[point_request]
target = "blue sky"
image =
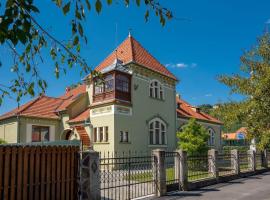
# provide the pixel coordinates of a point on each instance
(196, 51)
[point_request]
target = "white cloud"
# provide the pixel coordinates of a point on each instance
(208, 95)
(181, 65)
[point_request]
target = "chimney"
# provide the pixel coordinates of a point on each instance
(67, 89)
(196, 109)
(178, 95)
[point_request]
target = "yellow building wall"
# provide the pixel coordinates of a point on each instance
(8, 130)
(26, 130)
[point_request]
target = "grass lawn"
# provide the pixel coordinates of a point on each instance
(148, 176)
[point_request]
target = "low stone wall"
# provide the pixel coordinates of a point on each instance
(222, 179)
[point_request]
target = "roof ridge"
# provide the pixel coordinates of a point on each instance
(132, 47)
(151, 55)
(115, 49)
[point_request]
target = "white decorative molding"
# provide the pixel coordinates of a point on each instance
(123, 110)
(107, 110)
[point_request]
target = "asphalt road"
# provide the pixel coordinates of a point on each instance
(251, 188)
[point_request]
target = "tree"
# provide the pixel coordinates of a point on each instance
(206, 108)
(232, 121)
(254, 84)
(193, 138)
(21, 32)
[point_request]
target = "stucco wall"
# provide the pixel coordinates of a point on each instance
(215, 127)
(105, 119)
(26, 130)
(145, 108)
(8, 130)
(78, 106)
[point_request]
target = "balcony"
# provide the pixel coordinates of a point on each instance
(112, 86)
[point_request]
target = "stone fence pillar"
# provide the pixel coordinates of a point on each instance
(235, 161)
(182, 170)
(160, 172)
(89, 177)
(252, 160)
(212, 162)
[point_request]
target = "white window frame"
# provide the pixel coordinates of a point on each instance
(156, 89)
(29, 131)
(157, 130)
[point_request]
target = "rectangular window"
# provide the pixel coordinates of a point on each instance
(124, 136)
(109, 83)
(151, 137)
(157, 136)
(106, 133)
(99, 87)
(101, 134)
(122, 83)
(95, 134)
(163, 140)
(40, 133)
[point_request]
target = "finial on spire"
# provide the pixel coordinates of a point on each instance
(129, 32)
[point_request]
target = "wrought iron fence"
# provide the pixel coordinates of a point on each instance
(259, 159)
(172, 177)
(127, 175)
(268, 157)
(224, 164)
(198, 167)
(244, 158)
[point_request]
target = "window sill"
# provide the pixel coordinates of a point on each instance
(158, 145)
(101, 142)
(163, 100)
(124, 142)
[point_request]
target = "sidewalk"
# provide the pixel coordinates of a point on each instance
(251, 188)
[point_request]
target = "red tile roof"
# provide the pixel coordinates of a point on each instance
(81, 117)
(132, 51)
(83, 135)
(42, 106)
(47, 107)
(234, 136)
(186, 110)
(70, 96)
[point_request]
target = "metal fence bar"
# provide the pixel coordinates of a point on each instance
(198, 167)
(126, 175)
(225, 164)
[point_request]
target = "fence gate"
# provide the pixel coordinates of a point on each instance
(38, 171)
(127, 176)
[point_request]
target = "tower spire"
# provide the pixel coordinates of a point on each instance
(129, 32)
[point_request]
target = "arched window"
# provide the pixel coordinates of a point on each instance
(156, 90)
(157, 132)
(211, 140)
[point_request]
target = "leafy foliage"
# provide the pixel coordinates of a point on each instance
(193, 138)
(232, 121)
(255, 86)
(2, 141)
(28, 40)
(206, 108)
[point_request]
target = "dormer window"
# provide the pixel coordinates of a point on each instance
(156, 90)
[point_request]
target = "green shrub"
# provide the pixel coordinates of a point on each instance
(2, 141)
